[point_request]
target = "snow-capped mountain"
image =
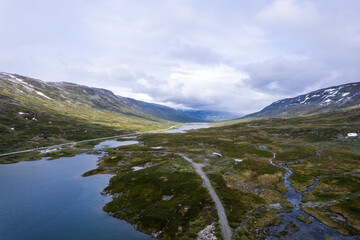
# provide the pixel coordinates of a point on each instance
(323, 100)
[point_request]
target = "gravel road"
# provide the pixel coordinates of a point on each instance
(225, 228)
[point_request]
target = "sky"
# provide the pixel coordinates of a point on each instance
(230, 55)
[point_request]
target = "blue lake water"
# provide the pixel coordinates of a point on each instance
(51, 200)
(113, 144)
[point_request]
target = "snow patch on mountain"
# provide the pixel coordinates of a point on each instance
(15, 79)
(12, 78)
(43, 95)
(323, 100)
(306, 98)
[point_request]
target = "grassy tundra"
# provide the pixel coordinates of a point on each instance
(251, 189)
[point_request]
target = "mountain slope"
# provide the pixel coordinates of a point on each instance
(94, 97)
(161, 111)
(36, 113)
(323, 100)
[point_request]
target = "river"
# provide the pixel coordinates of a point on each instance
(313, 231)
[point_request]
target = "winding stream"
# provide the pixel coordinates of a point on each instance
(313, 231)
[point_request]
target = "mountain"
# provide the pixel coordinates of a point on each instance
(36, 113)
(92, 97)
(211, 116)
(161, 111)
(320, 101)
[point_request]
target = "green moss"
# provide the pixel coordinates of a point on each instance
(29, 156)
(303, 219)
(293, 153)
(67, 152)
(93, 172)
(140, 199)
(236, 203)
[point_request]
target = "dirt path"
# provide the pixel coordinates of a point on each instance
(225, 228)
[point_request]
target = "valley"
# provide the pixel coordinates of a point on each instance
(275, 177)
(180, 120)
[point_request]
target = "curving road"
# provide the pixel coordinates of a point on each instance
(225, 228)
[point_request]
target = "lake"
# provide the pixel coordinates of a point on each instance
(51, 200)
(187, 127)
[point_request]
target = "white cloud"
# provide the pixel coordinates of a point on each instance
(219, 87)
(290, 14)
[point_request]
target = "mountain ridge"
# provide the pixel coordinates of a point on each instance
(98, 98)
(318, 101)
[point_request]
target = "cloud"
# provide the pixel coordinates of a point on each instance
(290, 14)
(287, 76)
(205, 87)
(201, 55)
(233, 55)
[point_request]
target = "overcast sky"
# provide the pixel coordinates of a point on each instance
(235, 55)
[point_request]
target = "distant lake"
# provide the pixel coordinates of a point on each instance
(187, 127)
(51, 200)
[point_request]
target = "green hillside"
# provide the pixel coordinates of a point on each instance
(35, 113)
